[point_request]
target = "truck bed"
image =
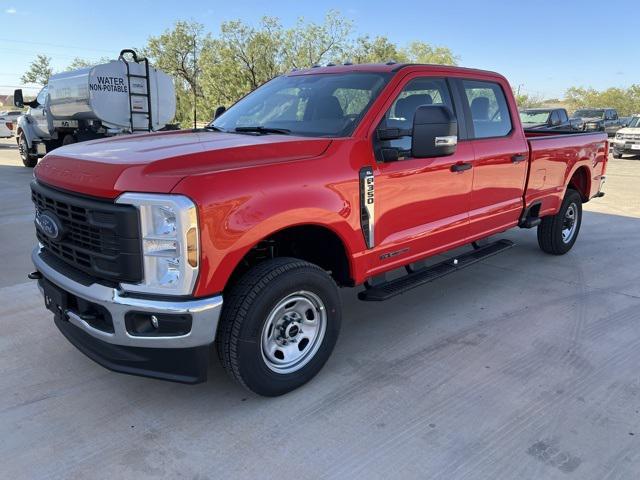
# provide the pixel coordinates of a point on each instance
(555, 157)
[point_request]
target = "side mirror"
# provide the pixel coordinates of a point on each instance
(219, 111)
(435, 132)
(18, 99)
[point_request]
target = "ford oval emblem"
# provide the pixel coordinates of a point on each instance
(49, 224)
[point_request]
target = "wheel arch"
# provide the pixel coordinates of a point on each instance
(580, 180)
(316, 243)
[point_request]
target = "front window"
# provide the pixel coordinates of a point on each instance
(316, 105)
(589, 113)
(534, 117)
(634, 123)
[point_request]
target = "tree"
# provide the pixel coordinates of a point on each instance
(241, 57)
(176, 52)
(625, 100)
(526, 100)
(39, 71)
(79, 63)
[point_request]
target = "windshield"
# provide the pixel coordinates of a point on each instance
(634, 123)
(534, 116)
(320, 105)
(589, 113)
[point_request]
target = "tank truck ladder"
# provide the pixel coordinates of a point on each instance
(146, 95)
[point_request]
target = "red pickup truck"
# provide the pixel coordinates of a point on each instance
(153, 247)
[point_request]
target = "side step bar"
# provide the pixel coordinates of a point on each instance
(386, 290)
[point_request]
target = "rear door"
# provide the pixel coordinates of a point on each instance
(501, 154)
(422, 205)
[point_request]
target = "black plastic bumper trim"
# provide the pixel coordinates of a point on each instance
(182, 365)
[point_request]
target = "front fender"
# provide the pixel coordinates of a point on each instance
(24, 125)
(237, 209)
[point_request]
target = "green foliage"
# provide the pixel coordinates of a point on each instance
(78, 63)
(242, 57)
(39, 71)
(625, 100)
(525, 100)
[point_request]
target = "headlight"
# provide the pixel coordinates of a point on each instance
(169, 229)
(618, 136)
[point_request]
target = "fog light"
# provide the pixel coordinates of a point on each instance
(143, 324)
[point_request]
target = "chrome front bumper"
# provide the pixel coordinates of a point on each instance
(204, 312)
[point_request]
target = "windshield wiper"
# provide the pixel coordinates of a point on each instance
(214, 128)
(262, 130)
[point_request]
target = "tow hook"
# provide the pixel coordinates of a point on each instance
(34, 275)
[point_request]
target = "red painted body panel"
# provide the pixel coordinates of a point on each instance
(248, 187)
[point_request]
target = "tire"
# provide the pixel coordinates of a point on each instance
(260, 312)
(617, 155)
(28, 159)
(558, 233)
(68, 139)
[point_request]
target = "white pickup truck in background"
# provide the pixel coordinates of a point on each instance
(8, 120)
(115, 98)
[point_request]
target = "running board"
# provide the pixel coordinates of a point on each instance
(386, 290)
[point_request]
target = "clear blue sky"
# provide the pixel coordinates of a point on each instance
(544, 46)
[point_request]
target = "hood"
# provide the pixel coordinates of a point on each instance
(629, 130)
(156, 162)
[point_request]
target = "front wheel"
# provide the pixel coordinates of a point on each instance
(28, 159)
(558, 233)
(279, 324)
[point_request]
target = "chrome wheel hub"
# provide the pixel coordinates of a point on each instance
(293, 332)
(570, 223)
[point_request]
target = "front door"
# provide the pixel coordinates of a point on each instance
(421, 204)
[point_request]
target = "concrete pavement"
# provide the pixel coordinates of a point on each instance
(524, 366)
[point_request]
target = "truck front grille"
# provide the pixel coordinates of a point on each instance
(98, 237)
(630, 136)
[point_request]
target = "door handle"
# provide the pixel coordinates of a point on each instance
(518, 158)
(460, 167)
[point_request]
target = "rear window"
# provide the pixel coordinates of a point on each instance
(489, 109)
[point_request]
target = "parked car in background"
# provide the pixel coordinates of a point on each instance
(8, 121)
(627, 140)
(549, 118)
(625, 121)
(599, 120)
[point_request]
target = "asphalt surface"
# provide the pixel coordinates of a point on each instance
(525, 366)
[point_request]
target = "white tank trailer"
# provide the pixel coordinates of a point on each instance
(116, 97)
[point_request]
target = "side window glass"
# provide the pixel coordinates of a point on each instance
(42, 96)
(420, 91)
(555, 119)
(563, 116)
(489, 109)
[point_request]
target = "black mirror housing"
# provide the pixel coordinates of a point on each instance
(18, 99)
(435, 132)
(219, 111)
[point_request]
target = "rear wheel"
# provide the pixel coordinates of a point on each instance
(28, 159)
(558, 233)
(279, 324)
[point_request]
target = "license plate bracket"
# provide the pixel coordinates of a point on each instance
(55, 299)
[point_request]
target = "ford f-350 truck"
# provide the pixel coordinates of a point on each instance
(154, 247)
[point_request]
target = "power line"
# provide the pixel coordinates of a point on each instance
(74, 47)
